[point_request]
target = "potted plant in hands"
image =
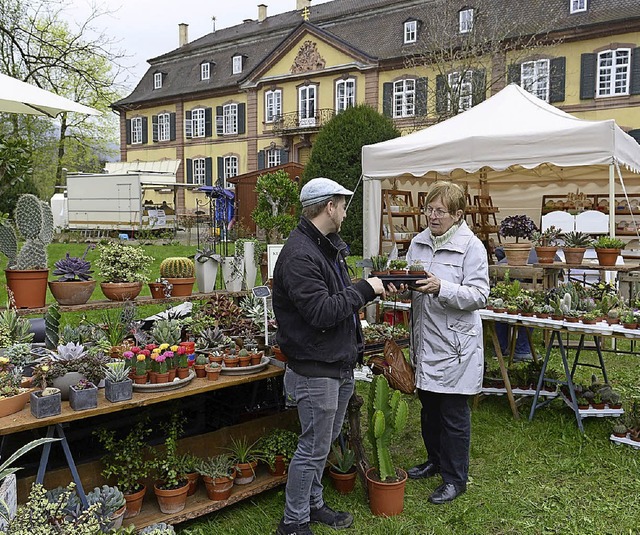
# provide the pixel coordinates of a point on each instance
(343, 471)
(520, 227)
(387, 414)
(27, 270)
(545, 243)
(218, 474)
(126, 462)
(575, 245)
(608, 249)
(123, 269)
(179, 271)
(245, 456)
(171, 487)
(379, 264)
(277, 448)
(74, 285)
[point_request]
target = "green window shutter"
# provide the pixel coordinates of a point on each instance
(208, 132)
(441, 94)
(284, 156)
(478, 86)
(172, 126)
(220, 171)
(635, 134)
(260, 159)
(219, 120)
(208, 171)
(145, 130)
(513, 73)
(558, 68)
(128, 130)
(189, 171)
(634, 86)
(588, 67)
(242, 118)
(387, 99)
(421, 97)
(154, 128)
(188, 128)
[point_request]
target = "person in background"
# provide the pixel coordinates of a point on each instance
(446, 336)
(316, 307)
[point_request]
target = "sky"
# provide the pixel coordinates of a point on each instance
(145, 29)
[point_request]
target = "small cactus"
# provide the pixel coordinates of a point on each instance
(177, 267)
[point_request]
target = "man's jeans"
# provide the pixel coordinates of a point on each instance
(322, 403)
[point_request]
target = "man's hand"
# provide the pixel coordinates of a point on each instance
(377, 285)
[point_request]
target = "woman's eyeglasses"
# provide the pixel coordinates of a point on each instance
(437, 213)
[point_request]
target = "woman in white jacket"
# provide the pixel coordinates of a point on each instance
(446, 339)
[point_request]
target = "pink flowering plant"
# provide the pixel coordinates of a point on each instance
(128, 356)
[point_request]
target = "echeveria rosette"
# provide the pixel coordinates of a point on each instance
(517, 226)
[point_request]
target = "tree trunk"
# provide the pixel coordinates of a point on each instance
(61, 149)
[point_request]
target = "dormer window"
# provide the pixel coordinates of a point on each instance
(577, 6)
(157, 80)
(237, 64)
(466, 20)
(410, 31)
(205, 71)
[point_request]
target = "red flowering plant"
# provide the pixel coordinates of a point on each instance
(183, 357)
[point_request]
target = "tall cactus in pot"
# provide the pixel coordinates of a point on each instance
(388, 414)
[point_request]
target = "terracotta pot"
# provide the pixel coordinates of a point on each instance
(215, 358)
(172, 500)
(29, 287)
(172, 374)
(140, 379)
(157, 290)
(280, 466)
(212, 373)
(118, 517)
(182, 287)
(162, 377)
(193, 482)
(72, 292)
(574, 255)
(183, 373)
(607, 257)
(200, 371)
(244, 361)
(386, 499)
(246, 472)
(343, 483)
(218, 488)
(134, 502)
(13, 404)
(517, 253)
(231, 362)
(546, 254)
(121, 291)
(278, 354)
(153, 378)
(256, 358)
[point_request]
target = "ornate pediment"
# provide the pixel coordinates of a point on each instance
(308, 59)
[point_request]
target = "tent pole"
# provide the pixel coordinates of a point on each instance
(612, 201)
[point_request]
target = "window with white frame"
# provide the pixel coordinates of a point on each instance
(307, 105)
(157, 80)
(164, 127)
(404, 98)
(205, 71)
(534, 78)
(273, 157)
(613, 72)
(272, 105)
(136, 130)
(199, 171)
(197, 122)
(230, 119)
(230, 169)
(345, 94)
(460, 90)
(410, 31)
(466, 20)
(237, 64)
(577, 6)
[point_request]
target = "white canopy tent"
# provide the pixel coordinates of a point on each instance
(511, 133)
(17, 96)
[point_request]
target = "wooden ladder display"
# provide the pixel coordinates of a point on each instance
(398, 219)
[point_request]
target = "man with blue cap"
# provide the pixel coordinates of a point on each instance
(316, 306)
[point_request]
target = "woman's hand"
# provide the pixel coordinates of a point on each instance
(430, 285)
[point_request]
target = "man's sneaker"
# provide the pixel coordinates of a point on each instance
(293, 529)
(335, 519)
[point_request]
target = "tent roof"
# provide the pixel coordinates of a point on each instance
(511, 129)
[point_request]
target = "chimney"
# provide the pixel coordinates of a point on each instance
(213, 24)
(301, 4)
(262, 12)
(183, 34)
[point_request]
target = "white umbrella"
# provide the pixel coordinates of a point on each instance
(20, 97)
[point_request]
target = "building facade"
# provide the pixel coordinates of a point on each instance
(255, 95)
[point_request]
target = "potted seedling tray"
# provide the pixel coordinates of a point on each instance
(397, 280)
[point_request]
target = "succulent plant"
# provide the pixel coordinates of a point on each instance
(159, 528)
(177, 267)
(219, 466)
(606, 242)
(211, 337)
(379, 262)
(109, 500)
(74, 268)
(117, 371)
(70, 351)
(577, 239)
(517, 226)
(166, 331)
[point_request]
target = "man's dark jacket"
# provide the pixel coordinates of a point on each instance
(316, 305)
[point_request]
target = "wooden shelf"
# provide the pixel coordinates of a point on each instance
(410, 218)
